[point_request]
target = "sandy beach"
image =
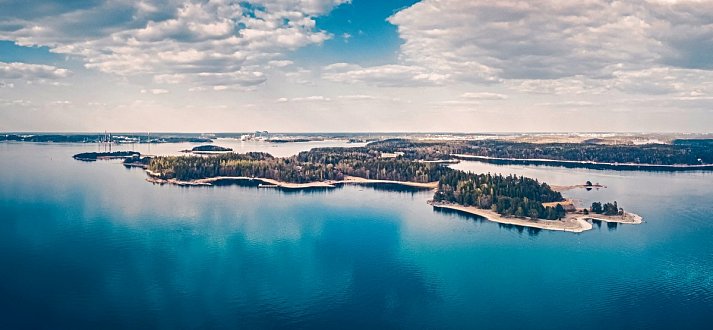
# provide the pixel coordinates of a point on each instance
(573, 222)
(358, 180)
(154, 178)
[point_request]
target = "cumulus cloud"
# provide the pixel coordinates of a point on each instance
(15, 103)
(207, 43)
(484, 96)
(665, 80)
(314, 98)
(548, 46)
(357, 97)
(384, 75)
(31, 72)
(155, 91)
(554, 39)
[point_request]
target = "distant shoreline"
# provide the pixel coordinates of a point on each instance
(585, 164)
(572, 222)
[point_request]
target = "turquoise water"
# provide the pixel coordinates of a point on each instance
(92, 245)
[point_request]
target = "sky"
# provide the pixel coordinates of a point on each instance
(356, 66)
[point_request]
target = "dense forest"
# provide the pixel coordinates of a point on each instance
(658, 154)
(309, 166)
(682, 153)
(507, 195)
(210, 148)
(92, 156)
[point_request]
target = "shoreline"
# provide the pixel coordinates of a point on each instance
(572, 222)
(584, 164)
(270, 183)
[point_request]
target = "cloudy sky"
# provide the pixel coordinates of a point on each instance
(359, 65)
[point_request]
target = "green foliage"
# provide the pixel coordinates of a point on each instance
(507, 195)
(659, 154)
(607, 208)
(597, 207)
(316, 165)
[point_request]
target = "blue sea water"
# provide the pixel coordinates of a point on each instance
(93, 245)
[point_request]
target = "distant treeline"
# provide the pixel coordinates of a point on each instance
(694, 142)
(95, 138)
(210, 148)
(91, 156)
(682, 152)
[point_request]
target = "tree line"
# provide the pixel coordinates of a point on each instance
(606, 208)
(507, 195)
(315, 165)
(657, 154)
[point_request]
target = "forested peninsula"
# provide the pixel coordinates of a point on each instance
(505, 199)
(666, 157)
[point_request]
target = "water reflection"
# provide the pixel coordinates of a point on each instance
(532, 232)
(257, 183)
(88, 244)
(383, 288)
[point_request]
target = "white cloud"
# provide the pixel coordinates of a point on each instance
(169, 78)
(392, 75)
(456, 103)
(206, 43)
(484, 96)
(15, 103)
(542, 40)
(304, 99)
(357, 97)
(664, 80)
(315, 98)
(566, 104)
(155, 91)
(32, 72)
(548, 46)
(280, 63)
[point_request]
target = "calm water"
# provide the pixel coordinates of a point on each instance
(276, 149)
(92, 245)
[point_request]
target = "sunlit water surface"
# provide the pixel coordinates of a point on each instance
(93, 245)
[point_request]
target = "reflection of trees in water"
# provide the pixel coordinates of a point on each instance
(473, 217)
(392, 187)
